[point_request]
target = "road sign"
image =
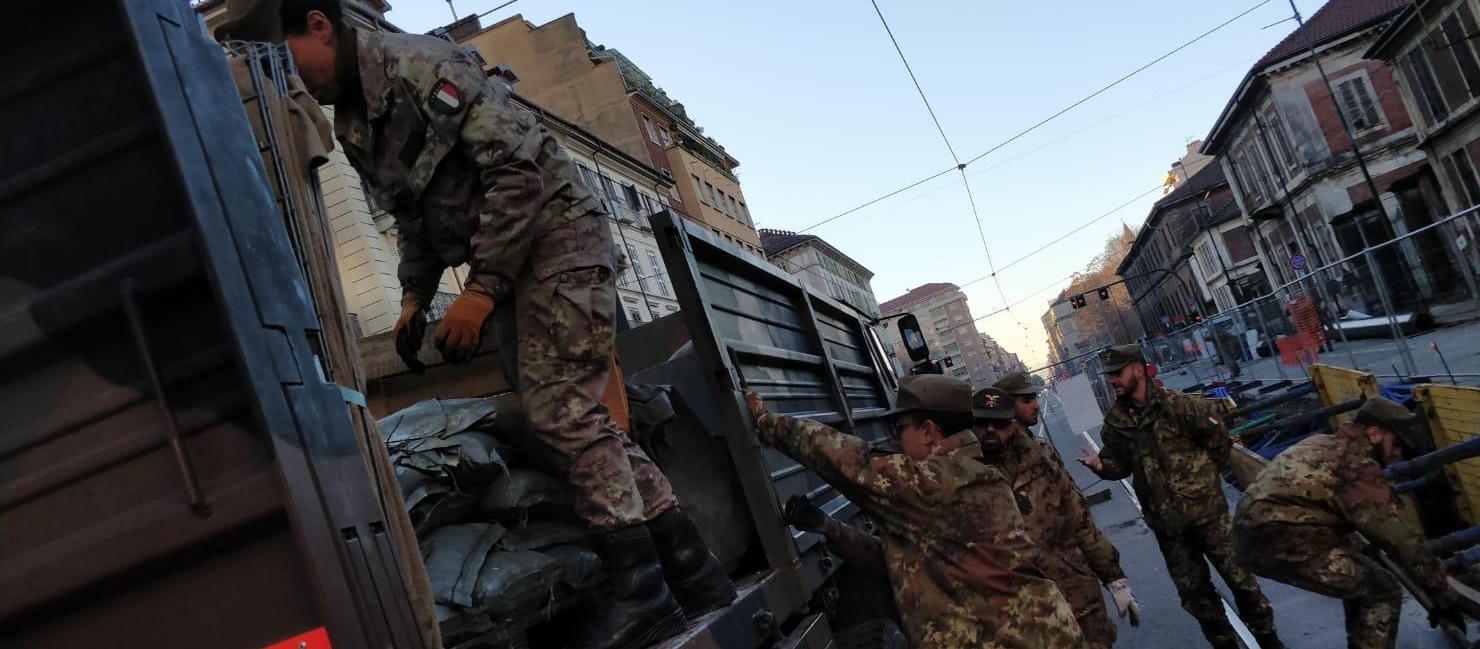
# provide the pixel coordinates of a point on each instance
(1297, 262)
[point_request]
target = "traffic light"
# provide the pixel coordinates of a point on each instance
(1104, 293)
(1196, 317)
(949, 362)
(1076, 301)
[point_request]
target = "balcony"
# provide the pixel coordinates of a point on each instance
(628, 216)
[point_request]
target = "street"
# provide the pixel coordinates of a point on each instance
(1304, 620)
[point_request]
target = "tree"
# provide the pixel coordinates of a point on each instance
(1112, 322)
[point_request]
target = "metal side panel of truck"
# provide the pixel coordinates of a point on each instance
(174, 469)
(746, 323)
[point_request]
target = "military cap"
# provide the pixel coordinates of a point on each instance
(1114, 358)
(1016, 384)
(992, 403)
(1392, 416)
(252, 20)
(932, 393)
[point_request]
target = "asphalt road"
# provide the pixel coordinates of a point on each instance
(1304, 620)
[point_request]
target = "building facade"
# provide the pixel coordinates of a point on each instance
(822, 267)
(604, 92)
(1433, 52)
(1296, 177)
(949, 330)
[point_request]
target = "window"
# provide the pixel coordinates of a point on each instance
(657, 270)
(1430, 101)
(1462, 173)
(1275, 128)
(634, 266)
(953, 349)
(1459, 47)
(744, 214)
(699, 187)
(634, 200)
(734, 207)
(1205, 256)
(938, 312)
(635, 316)
(647, 125)
(942, 324)
(610, 188)
(709, 191)
(961, 373)
(590, 178)
(1357, 103)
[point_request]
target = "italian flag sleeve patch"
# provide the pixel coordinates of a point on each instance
(445, 98)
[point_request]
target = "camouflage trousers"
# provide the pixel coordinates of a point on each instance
(1323, 563)
(1187, 553)
(561, 328)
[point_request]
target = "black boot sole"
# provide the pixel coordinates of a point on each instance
(699, 599)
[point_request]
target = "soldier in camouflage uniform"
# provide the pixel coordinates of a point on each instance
(965, 573)
(1076, 554)
(1173, 446)
(1294, 525)
(471, 179)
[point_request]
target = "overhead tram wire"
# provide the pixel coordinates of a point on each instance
(1040, 123)
(918, 89)
(960, 166)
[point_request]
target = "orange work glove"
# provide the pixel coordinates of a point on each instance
(410, 328)
(462, 328)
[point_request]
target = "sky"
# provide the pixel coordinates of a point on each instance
(813, 100)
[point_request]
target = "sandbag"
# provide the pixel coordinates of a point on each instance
(517, 581)
(525, 495)
(454, 557)
(443, 439)
(433, 505)
(541, 535)
(435, 418)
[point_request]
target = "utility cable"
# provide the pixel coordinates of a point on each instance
(1040, 123)
(918, 89)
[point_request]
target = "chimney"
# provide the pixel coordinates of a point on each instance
(503, 74)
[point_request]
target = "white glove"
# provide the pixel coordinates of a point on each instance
(1125, 601)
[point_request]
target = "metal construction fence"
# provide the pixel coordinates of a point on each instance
(1387, 290)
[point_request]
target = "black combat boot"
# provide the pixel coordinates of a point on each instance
(640, 610)
(698, 580)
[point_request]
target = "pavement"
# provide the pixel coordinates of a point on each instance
(1304, 620)
(1458, 346)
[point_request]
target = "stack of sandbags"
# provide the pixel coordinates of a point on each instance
(497, 532)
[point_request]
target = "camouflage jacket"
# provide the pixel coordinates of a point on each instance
(964, 571)
(1058, 518)
(1332, 485)
(469, 177)
(1173, 448)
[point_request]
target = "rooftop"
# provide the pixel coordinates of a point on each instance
(1335, 20)
(1332, 21)
(776, 242)
(916, 295)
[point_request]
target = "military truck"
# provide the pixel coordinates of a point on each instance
(181, 466)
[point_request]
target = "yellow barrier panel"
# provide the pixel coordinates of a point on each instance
(1453, 416)
(1340, 385)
